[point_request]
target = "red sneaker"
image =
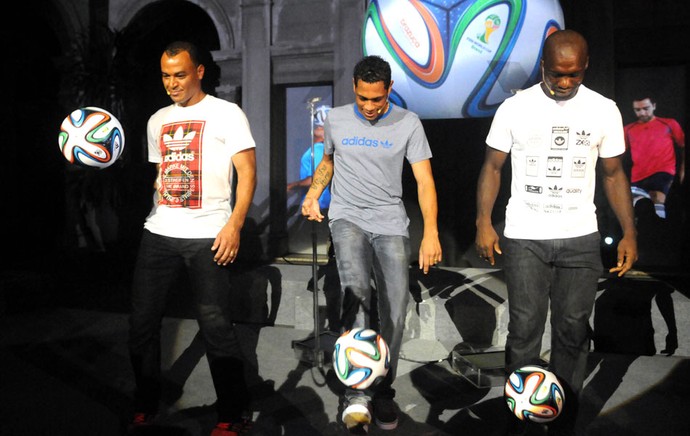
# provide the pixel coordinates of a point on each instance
(141, 419)
(243, 427)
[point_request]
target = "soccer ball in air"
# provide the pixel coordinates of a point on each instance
(535, 394)
(360, 358)
(91, 137)
(459, 59)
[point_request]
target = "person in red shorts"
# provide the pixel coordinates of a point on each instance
(652, 142)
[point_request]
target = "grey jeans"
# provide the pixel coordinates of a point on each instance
(360, 255)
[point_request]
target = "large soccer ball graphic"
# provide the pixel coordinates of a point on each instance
(459, 59)
(535, 394)
(360, 358)
(91, 137)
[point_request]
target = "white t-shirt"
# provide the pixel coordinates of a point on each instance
(554, 148)
(194, 146)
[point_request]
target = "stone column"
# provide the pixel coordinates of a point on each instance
(256, 99)
(347, 48)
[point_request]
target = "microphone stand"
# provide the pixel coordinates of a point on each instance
(312, 350)
(318, 352)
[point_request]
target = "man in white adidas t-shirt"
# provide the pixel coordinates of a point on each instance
(197, 143)
(555, 132)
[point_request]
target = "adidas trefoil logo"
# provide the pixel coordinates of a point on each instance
(582, 138)
(179, 140)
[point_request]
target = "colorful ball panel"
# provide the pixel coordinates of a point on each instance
(535, 394)
(459, 59)
(360, 358)
(91, 137)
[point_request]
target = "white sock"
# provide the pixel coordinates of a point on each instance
(660, 210)
(638, 194)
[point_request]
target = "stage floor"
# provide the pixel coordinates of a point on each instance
(64, 370)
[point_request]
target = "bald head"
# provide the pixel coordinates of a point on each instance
(564, 61)
(565, 43)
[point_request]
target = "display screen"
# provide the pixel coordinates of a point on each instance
(459, 59)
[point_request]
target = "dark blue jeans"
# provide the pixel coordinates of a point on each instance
(159, 263)
(360, 255)
(562, 274)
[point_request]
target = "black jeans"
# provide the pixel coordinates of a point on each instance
(159, 262)
(557, 274)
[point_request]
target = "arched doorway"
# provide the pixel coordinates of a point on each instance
(141, 43)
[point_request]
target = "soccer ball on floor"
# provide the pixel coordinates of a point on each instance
(91, 137)
(535, 394)
(360, 358)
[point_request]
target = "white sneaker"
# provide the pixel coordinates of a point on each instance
(357, 416)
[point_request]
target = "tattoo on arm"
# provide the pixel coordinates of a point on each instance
(321, 178)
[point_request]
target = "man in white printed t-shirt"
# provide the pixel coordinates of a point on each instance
(555, 132)
(197, 143)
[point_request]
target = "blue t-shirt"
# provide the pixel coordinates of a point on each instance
(305, 170)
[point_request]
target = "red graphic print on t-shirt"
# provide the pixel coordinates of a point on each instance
(180, 176)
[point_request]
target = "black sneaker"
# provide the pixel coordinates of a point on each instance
(517, 427)
(560, 430)
(385, 413)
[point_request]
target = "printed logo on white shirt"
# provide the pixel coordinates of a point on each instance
(180, 176)
(555, 191)
(532, 166)
(578, 168)
(559, 138)
(582, 139)
(554, 166)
